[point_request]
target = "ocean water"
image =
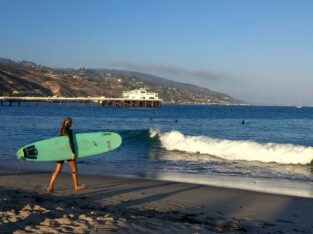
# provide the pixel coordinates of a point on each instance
(272, 152)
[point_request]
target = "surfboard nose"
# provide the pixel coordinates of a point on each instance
(117, 140)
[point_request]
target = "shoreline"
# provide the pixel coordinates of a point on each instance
(128, 205)
(279, 186)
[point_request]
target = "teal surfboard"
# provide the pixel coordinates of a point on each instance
(58, 148)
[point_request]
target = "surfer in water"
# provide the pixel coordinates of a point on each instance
(66, 130)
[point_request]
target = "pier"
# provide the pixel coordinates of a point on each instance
(101, 101)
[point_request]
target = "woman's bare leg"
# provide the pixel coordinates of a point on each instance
(73, 166)
(54, 176)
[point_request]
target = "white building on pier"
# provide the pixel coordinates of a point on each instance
(140, 94)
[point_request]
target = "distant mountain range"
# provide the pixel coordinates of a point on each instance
(29, 79)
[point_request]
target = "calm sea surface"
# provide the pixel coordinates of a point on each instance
(202, 144)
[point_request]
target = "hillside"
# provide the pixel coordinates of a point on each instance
(29, 79)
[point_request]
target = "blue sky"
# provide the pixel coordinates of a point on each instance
(260, 51)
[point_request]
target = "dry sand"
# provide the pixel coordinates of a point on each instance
(121, 205)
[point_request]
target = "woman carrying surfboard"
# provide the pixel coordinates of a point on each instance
(66, 130)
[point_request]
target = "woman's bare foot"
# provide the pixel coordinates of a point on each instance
(50, 190)
(79, 187)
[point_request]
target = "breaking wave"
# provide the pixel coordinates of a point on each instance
(235, 149)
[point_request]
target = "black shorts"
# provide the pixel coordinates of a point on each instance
(62, 161)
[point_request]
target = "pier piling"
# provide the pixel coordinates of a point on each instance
(101, 101)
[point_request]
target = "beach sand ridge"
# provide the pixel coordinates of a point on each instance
(123, 205)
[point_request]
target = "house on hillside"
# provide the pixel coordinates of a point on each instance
(140, 94)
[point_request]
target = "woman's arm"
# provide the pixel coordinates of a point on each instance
(71, 141)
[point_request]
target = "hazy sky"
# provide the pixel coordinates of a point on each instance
(260, 51)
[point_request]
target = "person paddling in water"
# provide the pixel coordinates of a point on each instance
(66, 131)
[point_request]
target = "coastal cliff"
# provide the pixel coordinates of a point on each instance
(29, 79)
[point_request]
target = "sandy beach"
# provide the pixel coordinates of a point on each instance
(124, 205)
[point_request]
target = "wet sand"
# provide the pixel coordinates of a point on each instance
(123, 205)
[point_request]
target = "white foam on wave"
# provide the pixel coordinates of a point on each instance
(235, 150)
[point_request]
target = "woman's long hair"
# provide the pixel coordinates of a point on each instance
(67, 123)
